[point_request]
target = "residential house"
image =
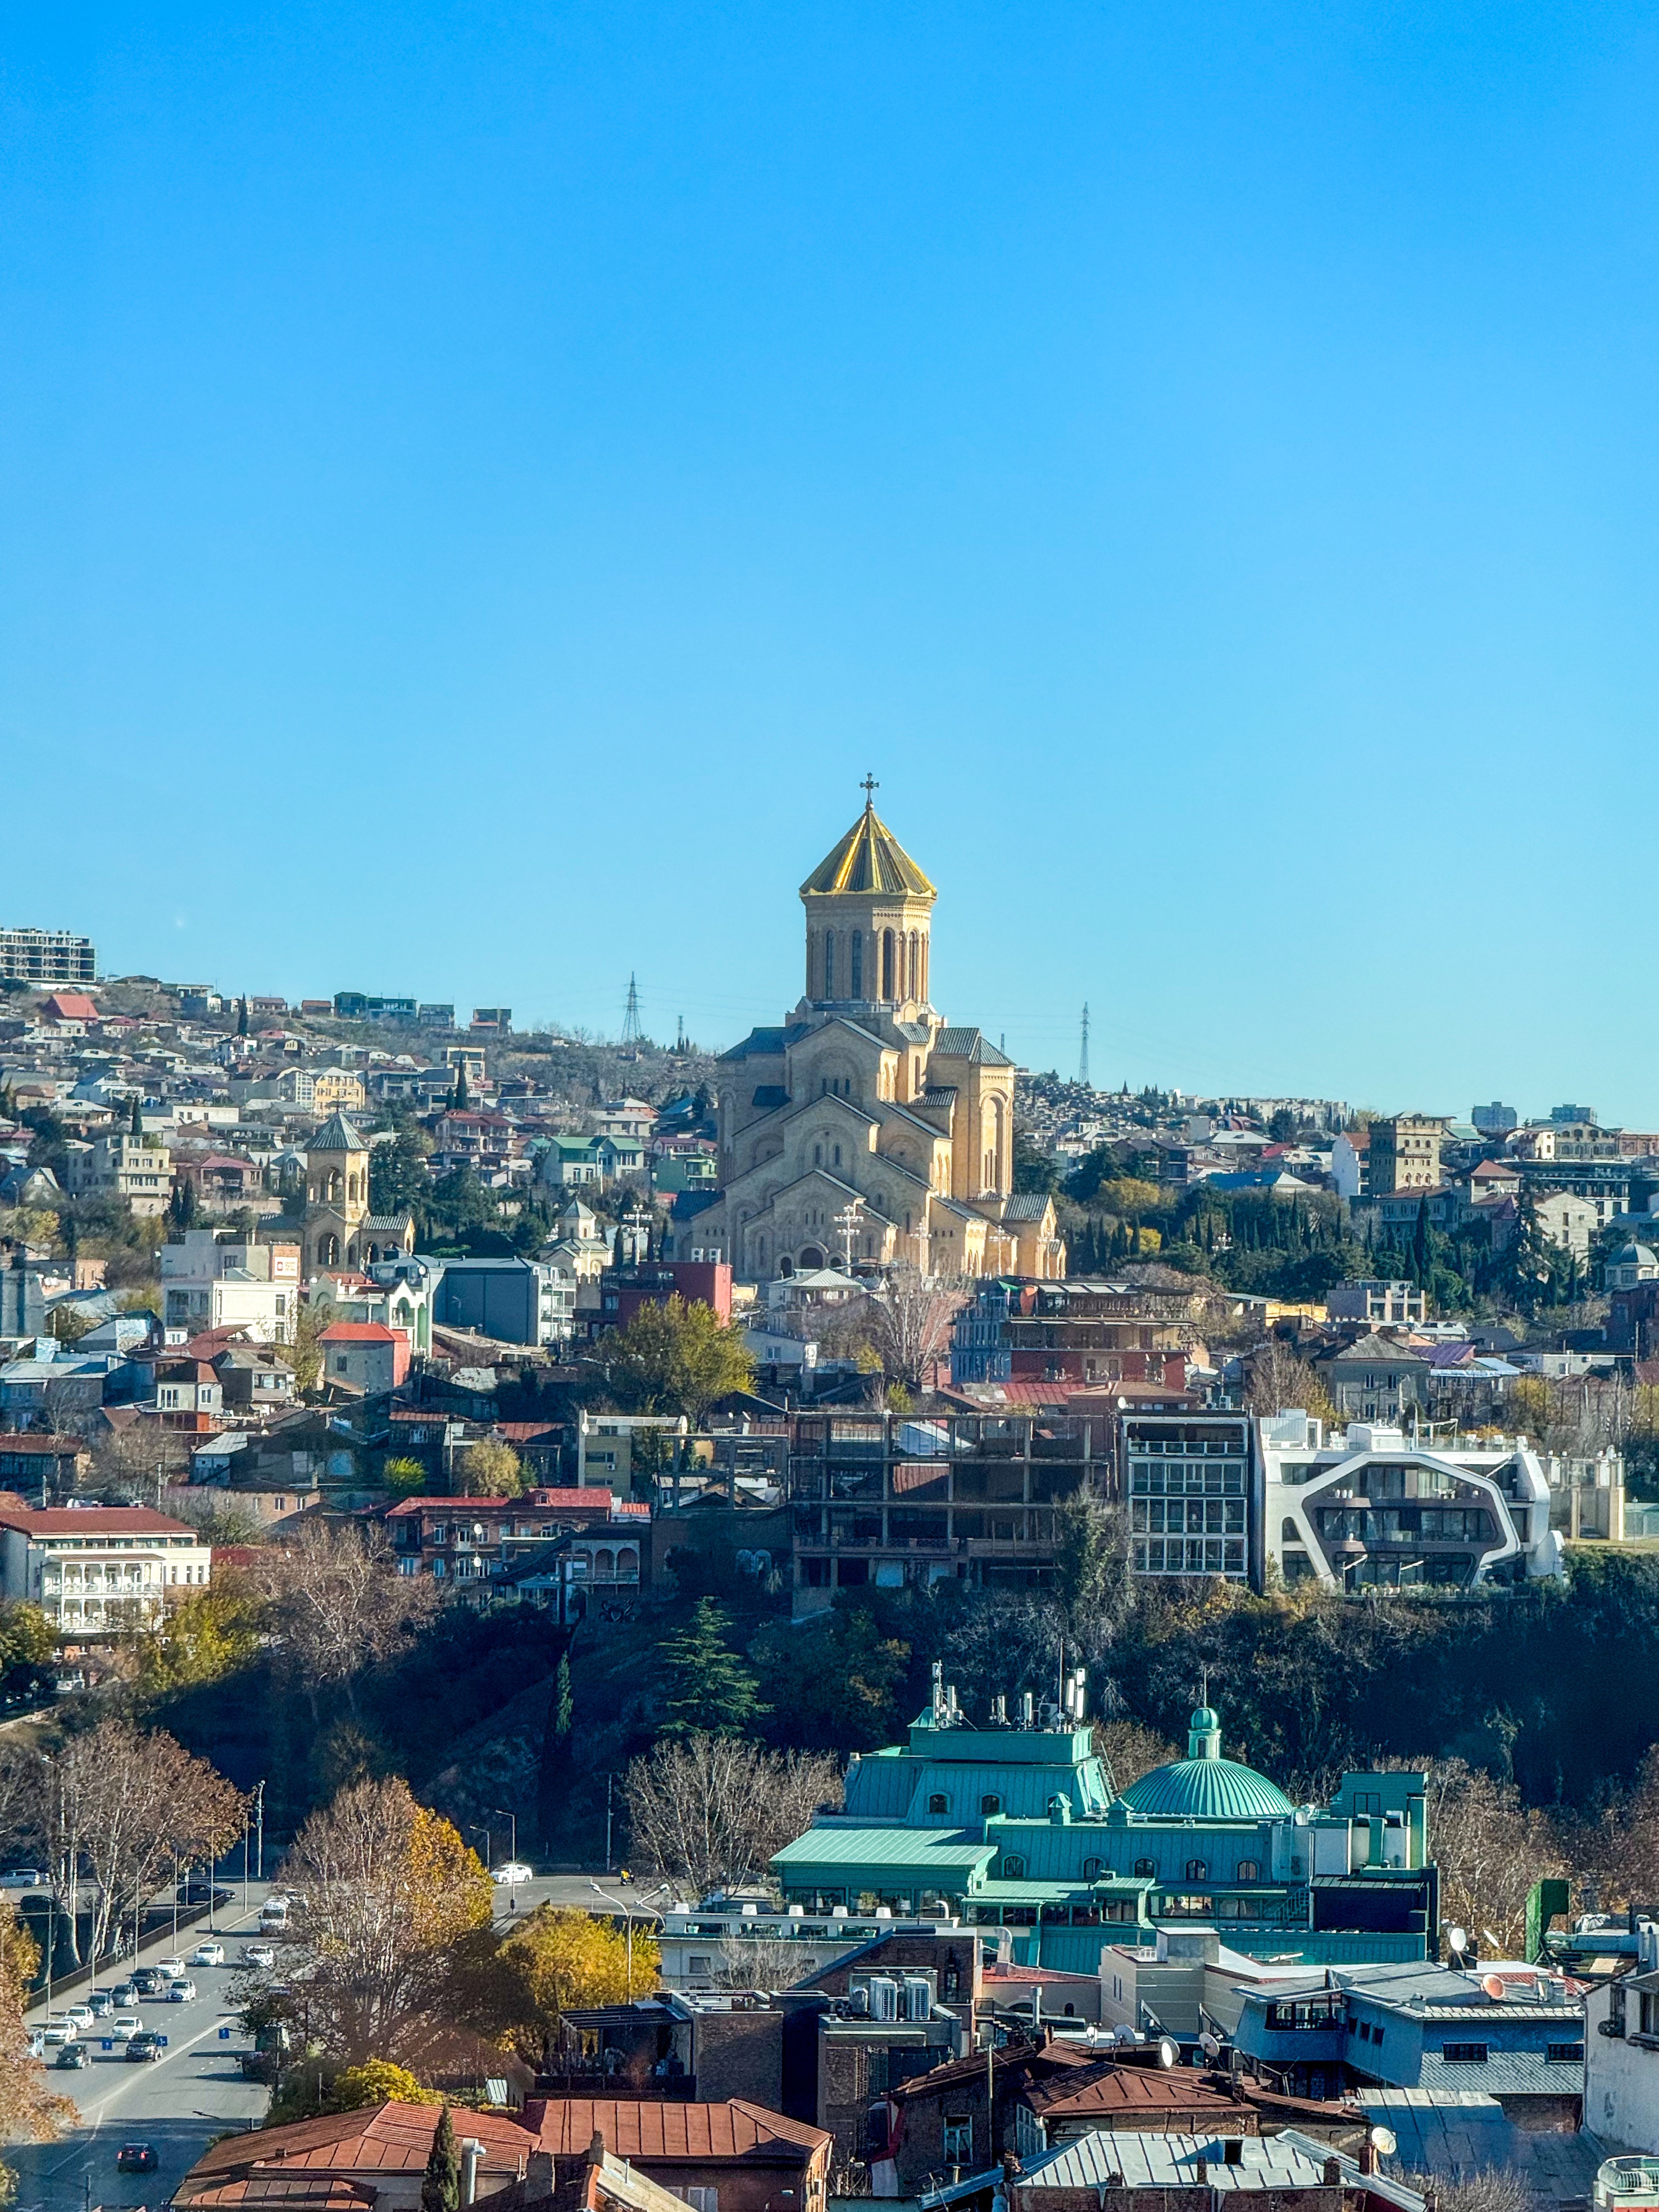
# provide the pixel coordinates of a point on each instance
(364, 1355)
(1380, 1303)
(1368, 1507)
(99, 1569)
(612, 1448)
(39, 957)
(1621, 2052)
(629, 1118)
(1517, 2035)
(516, 1301)
(210, 1282)
(734, 2156)
(253, 1380)
(120, 1165)
(54, 1387)
(336, 1091)
(1378, 1377)
(571, 1163)
(373, 2156)
(1568, 1222)
(189, 1395)
(36, 1465)
(476, 1544)
(1192, 1485)
(1084, 1331)
(623, 1289)
(222, 1182)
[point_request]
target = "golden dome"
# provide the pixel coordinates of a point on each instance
(869, 858)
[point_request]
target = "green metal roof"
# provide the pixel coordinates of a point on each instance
(1207, 1789)
(933, 1853)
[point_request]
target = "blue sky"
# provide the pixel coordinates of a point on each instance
(479, 484)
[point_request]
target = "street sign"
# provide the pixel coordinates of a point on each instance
(224, 2035)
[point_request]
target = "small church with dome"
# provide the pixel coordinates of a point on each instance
(865, 1127)
(1022, 1827)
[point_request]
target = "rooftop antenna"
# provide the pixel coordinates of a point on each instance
(679, 1041)
(632, 1032)
(1083, 1053)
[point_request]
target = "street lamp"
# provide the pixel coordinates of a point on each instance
(477, 1828)
(628, 1923)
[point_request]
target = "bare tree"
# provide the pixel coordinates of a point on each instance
(1489, 1851)
(910, 1322)
(710, 1809)
(1279, 1380)
(758, 1962)
(127, 1805)
(388, 1890)
(28, 2111)
(340, 1604)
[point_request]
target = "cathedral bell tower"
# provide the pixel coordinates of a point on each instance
(869, 912)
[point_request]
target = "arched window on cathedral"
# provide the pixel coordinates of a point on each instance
(889, 981)
(829, 963)
(817, 1155)
(915, 960)
(856, 985)
(837, 1155)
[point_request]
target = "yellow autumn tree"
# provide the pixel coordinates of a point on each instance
(556, 1960)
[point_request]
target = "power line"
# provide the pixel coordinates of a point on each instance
(632, 1032)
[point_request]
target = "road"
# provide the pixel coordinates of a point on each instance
(197, 2092)
(179, 2103)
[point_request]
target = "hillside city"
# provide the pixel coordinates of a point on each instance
(598, 1622)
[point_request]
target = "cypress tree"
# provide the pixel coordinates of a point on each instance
(440, 2186)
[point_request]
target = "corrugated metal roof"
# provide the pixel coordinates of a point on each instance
(930, 1850)
(646, 2128)
(1154, 2159)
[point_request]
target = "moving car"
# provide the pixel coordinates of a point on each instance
(145, 2046)
(200, 1890)
(512, 1870)
(208, 1954)
(171, 1968)
(75, 2055)
(125, 1995)
(58, 2029)
(181, 1991)
(273, 1916)
(148, 1981)
(82, 2014)
(135, 2158)
(258, 1954)
(123, 2026)
(21, 1878)
(99, 2001)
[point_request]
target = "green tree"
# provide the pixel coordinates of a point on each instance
(1093, 1582)
(491, 1468)
(440, 2186)
(68, 1325)
(311, 1318)
(678, 1358)
(705, 1688)
(398, 1176)
(1035, 1171)
(461, 1097)
(25, 1637)
(405, 1476)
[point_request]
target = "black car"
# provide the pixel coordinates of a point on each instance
(149, 1981)
(135, 2158)
(202, 1891)
(74, 2055)
(145, 2046)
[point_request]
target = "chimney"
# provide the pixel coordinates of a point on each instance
(1331, 2174)
(596, 2149)
(538, 2174)
(471, 2151)
(1368, 2156)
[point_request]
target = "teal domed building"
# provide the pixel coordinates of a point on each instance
(1020, 1827)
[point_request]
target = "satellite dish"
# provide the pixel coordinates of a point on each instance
(1169, 2052)
(1457, 1939)
(1209, 2046)
(1384, 2142)
(1495, 1986)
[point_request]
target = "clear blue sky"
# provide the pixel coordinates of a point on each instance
(479, 484)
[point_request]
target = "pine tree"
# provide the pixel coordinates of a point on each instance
(706, 1689)
(136, 1122)
(463, 1096)
(564, 1709)
(441, 2186)
(242, 1019)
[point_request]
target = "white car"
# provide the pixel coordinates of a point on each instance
(21, 1878)
(258, 1954)
(181, 1990)
(171, 1968)
(122, 2024)
(512, 1870)
(208, 1954)
(59, 2029)
(82, 2014)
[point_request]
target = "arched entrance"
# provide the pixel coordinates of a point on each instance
(811, 1256)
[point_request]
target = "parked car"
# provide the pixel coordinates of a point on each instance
(21, 1878)
(258, 1954)
(135, 2158)
(512, 1870)
(181, 1991)
(146, 2045)
(99, 2001)
(58, 2029)
(123, 2027)
(208, 1954)
(75, 2055)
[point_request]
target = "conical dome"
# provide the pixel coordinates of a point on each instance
(871, 859)
(337, 1135)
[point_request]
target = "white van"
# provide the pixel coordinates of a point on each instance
(273, 1916)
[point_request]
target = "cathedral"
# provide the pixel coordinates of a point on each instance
(866, 1126)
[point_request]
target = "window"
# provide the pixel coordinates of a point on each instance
(958, 2139)
(1467, 2054)
(829, 963)
(1565, 2054)
(991, 1804)
(704, 2200)
(938, 1802)
(1013, 1867)
(1146, 1866)
(1092, 1869)
(1247, 1871)
(1197, 1869)
(858, 964)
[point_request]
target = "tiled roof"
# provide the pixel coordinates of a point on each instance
(358, 1332)
(390, 2139)
(337, 1135)
(652, 2130)
(94, 1521)
(47, 1447)
(1026, 1206)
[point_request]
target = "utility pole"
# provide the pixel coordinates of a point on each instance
(632, 1032)
(848, 1221)
(1083, 1053)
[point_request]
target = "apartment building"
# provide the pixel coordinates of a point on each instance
(1405, 1153)
(1192, 1485)
(120, 1165)
(883, 1500)
(44, 958)
(210, 1280)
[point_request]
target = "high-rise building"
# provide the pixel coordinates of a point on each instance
(1405, 1153)
(46, 958)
